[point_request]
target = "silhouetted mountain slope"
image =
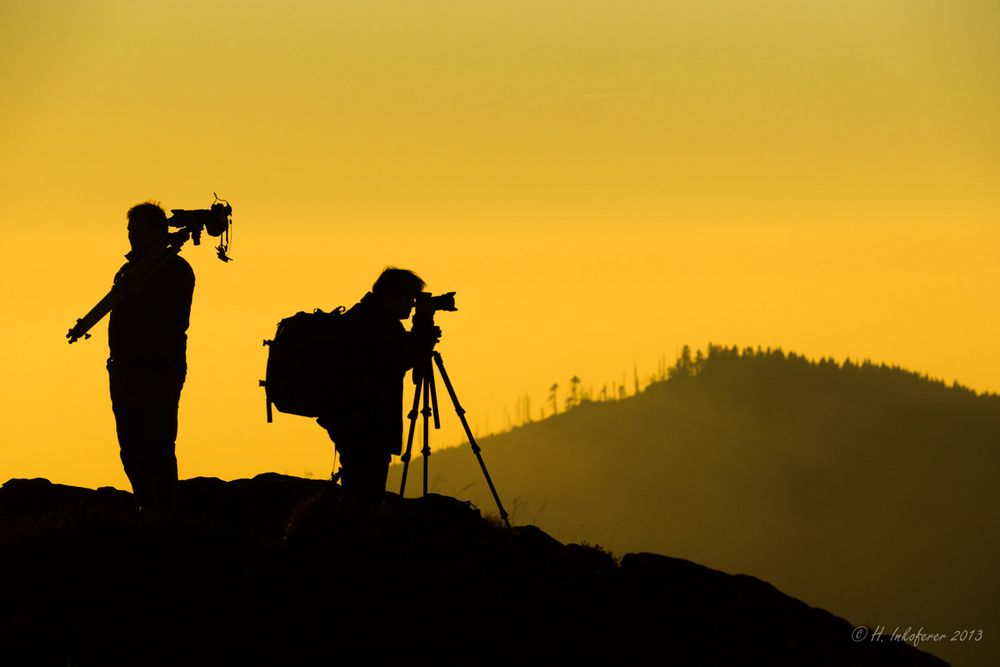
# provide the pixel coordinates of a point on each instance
(279, 570)
(864, 489)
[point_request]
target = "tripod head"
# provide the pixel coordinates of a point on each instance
(424, 329)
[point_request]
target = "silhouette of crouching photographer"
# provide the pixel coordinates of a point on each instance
(365, 419)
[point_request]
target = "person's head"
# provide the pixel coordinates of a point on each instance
(398, 288)
(147, 225)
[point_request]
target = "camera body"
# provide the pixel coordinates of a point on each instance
(213, 220)
(427, 303)
(216, 221)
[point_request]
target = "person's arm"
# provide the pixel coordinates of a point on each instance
(417, 344)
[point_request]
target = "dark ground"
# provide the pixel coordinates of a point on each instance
(283, 571)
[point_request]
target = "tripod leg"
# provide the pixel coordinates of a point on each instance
(426, 412)
(434, 397)
(412, 416)
(468, 433)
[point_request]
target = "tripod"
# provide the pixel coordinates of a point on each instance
(426, 388)
(137, 273)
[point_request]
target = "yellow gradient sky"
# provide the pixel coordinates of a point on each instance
(601, 182)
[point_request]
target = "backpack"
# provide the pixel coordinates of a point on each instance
(302, 362)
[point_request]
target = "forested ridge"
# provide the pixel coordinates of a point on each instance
(864, 488)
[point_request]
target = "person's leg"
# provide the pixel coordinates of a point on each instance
(165, 392)
(364, 472)
(126, 403)
(145, 407)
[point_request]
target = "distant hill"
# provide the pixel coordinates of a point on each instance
(284, 571)
(865, 489)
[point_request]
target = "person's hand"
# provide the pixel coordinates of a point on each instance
(428, 337)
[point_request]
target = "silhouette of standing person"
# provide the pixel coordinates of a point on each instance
(365, 420)
(148, 363)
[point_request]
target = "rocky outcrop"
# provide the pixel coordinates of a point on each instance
(285, 571)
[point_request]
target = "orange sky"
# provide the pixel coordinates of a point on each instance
(600, 184)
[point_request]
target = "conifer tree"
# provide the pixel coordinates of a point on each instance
(574, 395)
